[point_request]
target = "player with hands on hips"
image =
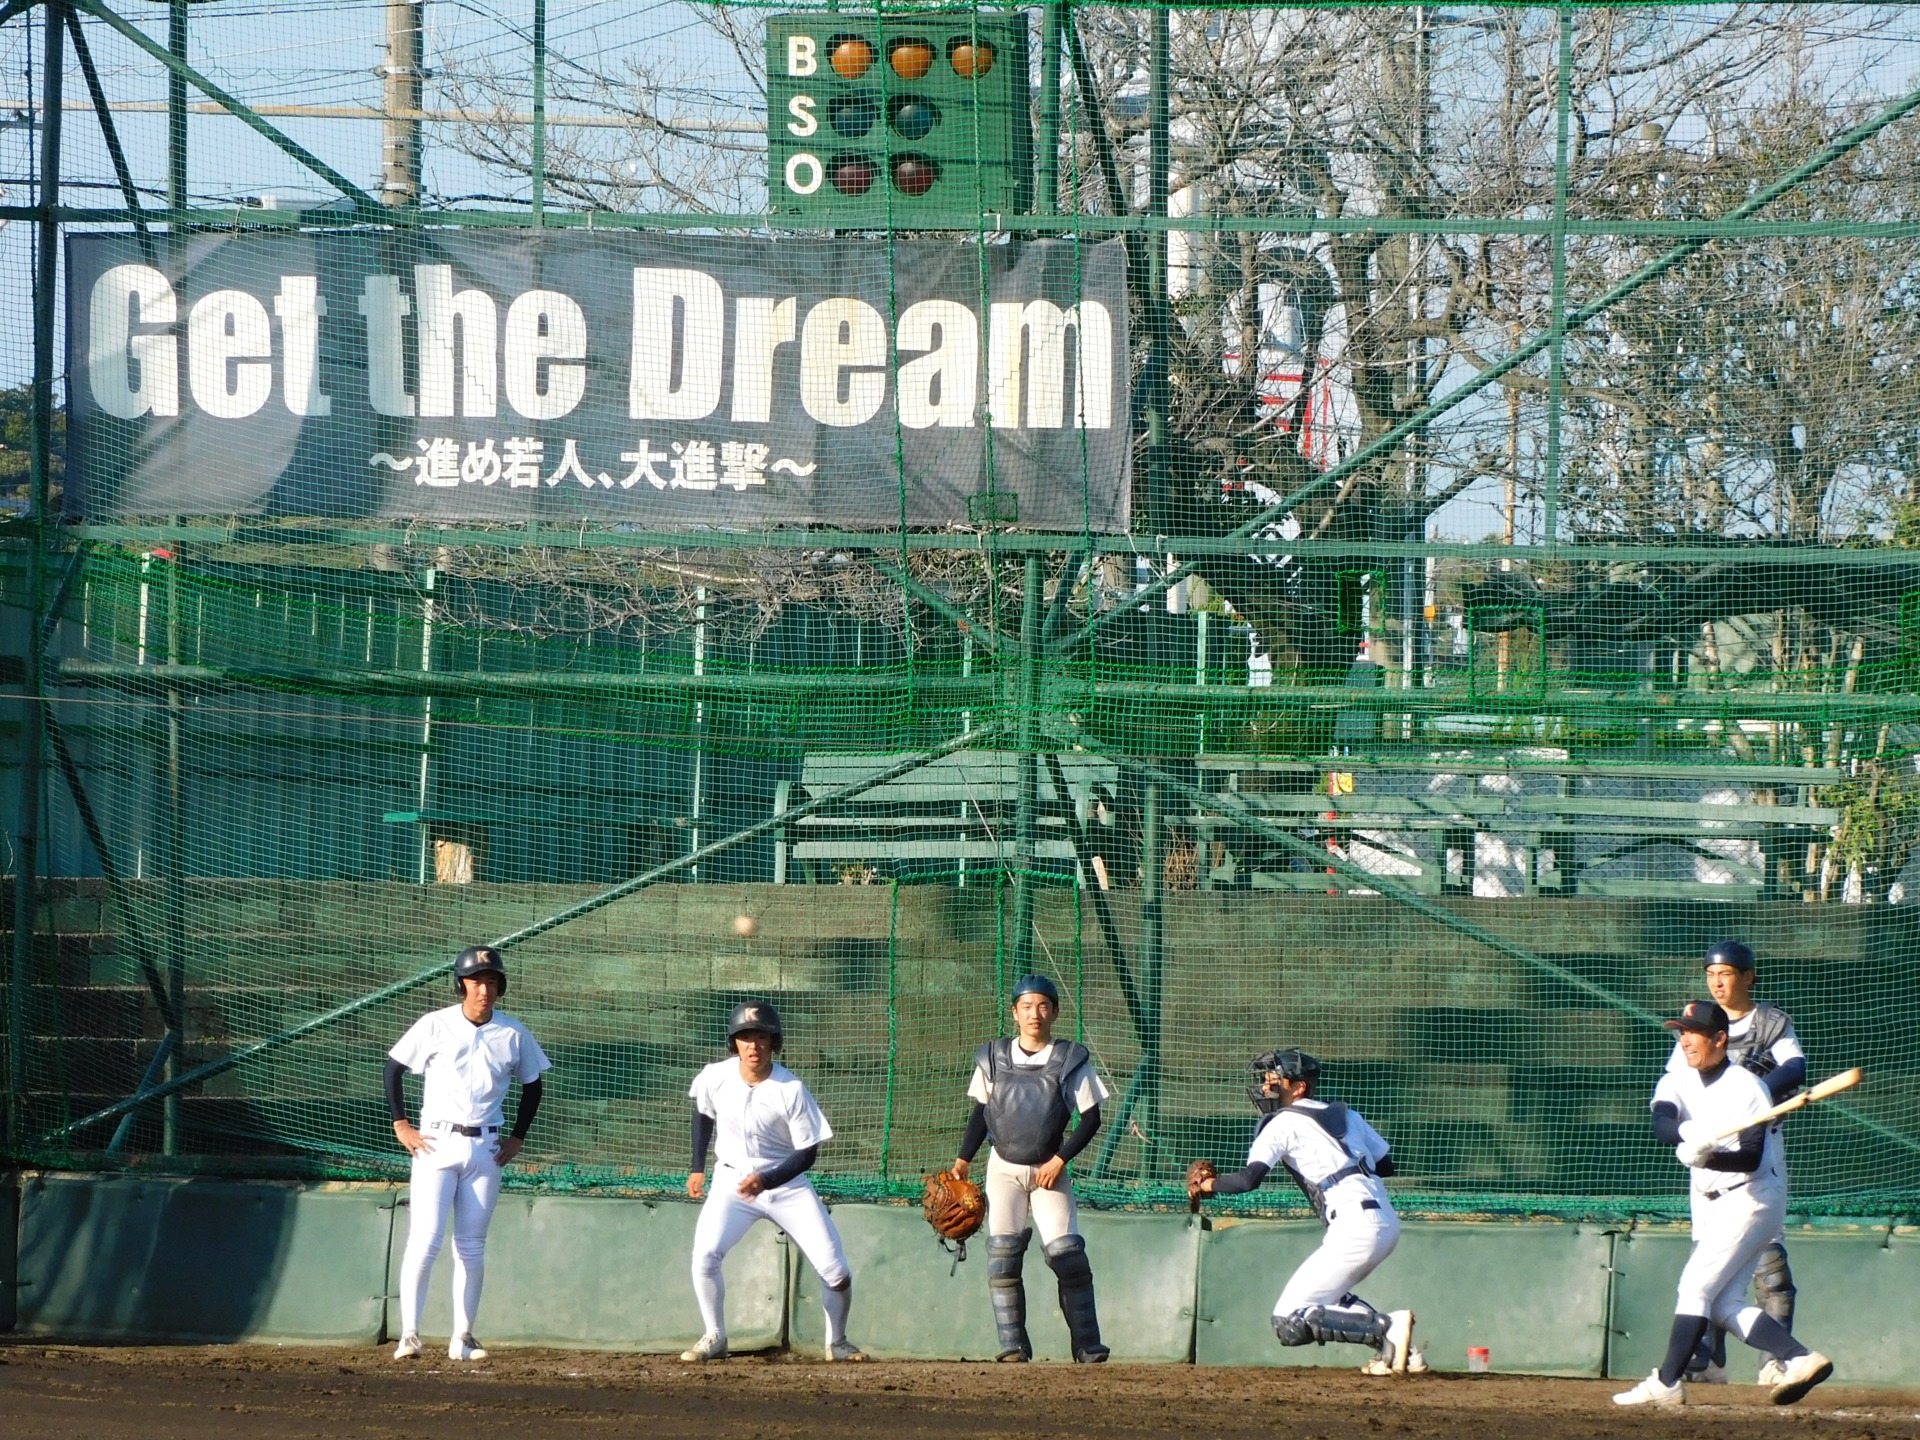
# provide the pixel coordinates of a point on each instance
(468, 1056)
(1338, 1160)
(1024, 1090)
(1738, 1200)
(1761, 1038)
(766, 1130)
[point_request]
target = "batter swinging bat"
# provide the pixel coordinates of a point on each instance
(1845, 1080)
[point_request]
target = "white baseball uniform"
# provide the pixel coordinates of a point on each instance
(467, 1070)
(755, 1128)
(1362, 1227)
(1735, 1214)
(1013, 1196)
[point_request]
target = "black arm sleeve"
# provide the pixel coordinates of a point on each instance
(1785, 1078)
(976, 1135)
(1384, 1167)
(702, 1138)
(1241, 1181)
(1088, 1127)
(798, 1163)
(1746, 1159)
(1666, 1123)
(396, 1098)
(530, 1094)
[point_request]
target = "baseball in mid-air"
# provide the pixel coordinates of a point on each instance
(745, 926)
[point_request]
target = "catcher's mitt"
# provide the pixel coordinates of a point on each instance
(1198, 1171)
(955, 1208)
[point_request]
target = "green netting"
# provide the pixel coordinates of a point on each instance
(1514, 423)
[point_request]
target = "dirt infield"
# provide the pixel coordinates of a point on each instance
(264, 1393)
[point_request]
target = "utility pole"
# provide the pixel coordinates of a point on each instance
(403, 96)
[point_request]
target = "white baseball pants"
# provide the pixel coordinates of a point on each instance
(1728, 1235)
(458, 1177)
(796, 1208)
(1356, 1242)
(1014, 1198)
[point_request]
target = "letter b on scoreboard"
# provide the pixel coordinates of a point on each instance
(911, 121)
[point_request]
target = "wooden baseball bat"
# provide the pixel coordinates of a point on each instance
(1826, 1089)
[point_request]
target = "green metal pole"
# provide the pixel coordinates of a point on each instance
(177, 108)
(176, 872)
(1027, 799)
(1557, 348)
(32, 729)
(1050, 50)
(1159, 342)
(1153, 937)
(539, 112)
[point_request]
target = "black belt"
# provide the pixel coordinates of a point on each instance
(1364, 1205)
(1724, 1190)
(472, 1131)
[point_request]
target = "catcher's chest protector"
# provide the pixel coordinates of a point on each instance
(1331, 1118)
(1029, 1109)
(1754, 1050)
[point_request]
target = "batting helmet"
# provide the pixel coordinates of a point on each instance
(1735, 953)
(754, 1015)
(1036, 985)
(1289, 1065)
(478, 960)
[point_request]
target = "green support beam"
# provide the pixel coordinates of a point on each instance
(176, 66)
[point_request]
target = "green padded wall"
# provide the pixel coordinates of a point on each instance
(1859, 1300)
(9, 1248)
(912, 1302)
(1533, 1294)
(603, 1273)
(199, 1260)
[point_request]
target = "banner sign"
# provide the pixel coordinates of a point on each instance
(667, 382)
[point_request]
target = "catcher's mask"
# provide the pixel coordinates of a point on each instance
(1288, 1065)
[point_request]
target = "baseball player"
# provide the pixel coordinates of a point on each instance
(1024, 1090)
(1738, 1199)
(769, 1131)
(468, 1055)
(1337, 1159)
(1761, 1038)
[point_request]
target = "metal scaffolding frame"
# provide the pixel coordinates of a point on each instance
(1043, 631)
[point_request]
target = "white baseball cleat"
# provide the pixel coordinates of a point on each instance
(708, 1347)
(1708, 1374)
(1651, 1391)
(1416, 1361)
(1396, 1348)
(408, 1348)
(1799, 1375)
(465, 1347)
(844, 1350)
(1772, 1372)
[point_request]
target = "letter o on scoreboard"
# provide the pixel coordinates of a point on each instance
(804, 173)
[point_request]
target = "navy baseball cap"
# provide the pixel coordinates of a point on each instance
(1701, 1016)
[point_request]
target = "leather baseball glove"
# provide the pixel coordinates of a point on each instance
(955, 1208)
(1197, 1172)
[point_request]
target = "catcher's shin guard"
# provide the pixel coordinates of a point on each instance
(1317, 1325)
(1005, 1257)
(1773, 1284)
(1068, 1258)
